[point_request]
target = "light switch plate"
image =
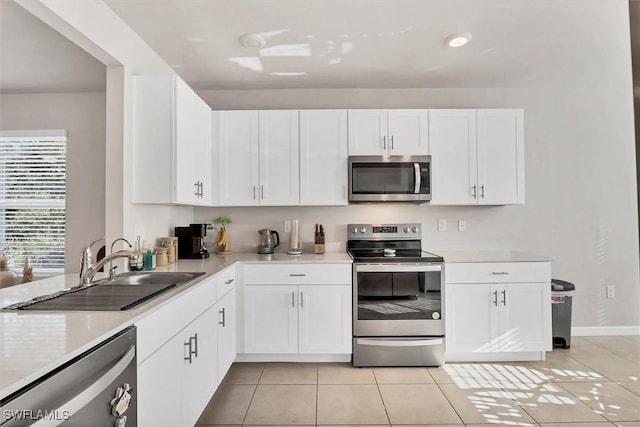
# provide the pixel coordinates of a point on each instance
(462, 225)
(442, 225)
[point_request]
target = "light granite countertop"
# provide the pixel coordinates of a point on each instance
(36, 342)
(490, 256)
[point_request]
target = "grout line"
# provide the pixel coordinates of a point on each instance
(253, 395)
(450, 403)
(384, 405)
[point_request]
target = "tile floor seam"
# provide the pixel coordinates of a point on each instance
(384, 405)
(252, 396)
(450, 404)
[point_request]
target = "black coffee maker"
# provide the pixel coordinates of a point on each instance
(191, 241)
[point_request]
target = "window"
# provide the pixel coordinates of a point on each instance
(32, 197)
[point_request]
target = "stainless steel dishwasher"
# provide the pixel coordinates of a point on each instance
(97, 388)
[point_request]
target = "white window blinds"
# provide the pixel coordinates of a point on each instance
(32, 197)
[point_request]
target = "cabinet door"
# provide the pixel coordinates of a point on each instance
(500, 157)
(159, 385)
(408, 132)
(525, 317)
(279, 158)
(226, 333)
(367, 132)
(471, 318)
(452, 142)
(187, 139)
(270, 319)
(323, 157)
(199, 374)
(324, 319)
(237, 159)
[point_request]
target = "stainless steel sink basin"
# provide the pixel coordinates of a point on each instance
(125, 291)
(150, 278)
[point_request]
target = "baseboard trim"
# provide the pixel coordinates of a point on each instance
(304, 358)
(590, 331)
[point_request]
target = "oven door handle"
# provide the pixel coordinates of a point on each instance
(398, 343)
(416, 189)
(397, 268)
(87, 395)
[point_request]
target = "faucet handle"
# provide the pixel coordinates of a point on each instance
(112, 272)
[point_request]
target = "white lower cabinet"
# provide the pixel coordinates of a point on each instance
(324, 319)
(185, 348)
(297, 319)
(484, 318)
(226, 333)
(292, 310)
(177, 381)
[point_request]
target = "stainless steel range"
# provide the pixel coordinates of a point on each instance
(397, 297)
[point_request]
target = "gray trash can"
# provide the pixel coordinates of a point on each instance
(561, 302)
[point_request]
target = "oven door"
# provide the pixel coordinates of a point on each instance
(389, 178)
(397, 300)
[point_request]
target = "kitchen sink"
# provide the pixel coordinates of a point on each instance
(125, 291)
(150, 278)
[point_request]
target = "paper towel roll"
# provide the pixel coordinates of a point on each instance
(295, 236)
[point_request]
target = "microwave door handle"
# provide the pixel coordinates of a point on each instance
(416, 167)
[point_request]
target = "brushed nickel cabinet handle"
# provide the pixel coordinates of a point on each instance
(475, 192)
(495, 298)
(301, 299)
(504, 297)
(392, 142)
(293, 302)
(223, 318)
(384, 142)
(482, 191)
(254, 192)
(297, 275)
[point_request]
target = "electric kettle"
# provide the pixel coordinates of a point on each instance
(269, 240)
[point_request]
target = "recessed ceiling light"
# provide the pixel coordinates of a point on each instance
(458, 40)
(252, 41)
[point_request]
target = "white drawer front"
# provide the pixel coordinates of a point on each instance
(226, 280)
(497, 272)
(162, 324)
(297, 274)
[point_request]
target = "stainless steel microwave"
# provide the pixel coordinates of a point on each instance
(389, 179)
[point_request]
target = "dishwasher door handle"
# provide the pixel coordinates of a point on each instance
(83, 398)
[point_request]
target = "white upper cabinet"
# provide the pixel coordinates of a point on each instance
(500, 157)
(238, 158)
(388, 132)
(452, 139)
(279, 158)
(172, 143)
(477, 157)
(257, 158)
(323, 157)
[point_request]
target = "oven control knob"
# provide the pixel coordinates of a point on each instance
(355, 229)
(363, 230)
(406, 229)
(414, 229)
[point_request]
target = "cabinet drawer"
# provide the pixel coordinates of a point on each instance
(497, 272)
(297, 274)
(225, 281)
(162, 324)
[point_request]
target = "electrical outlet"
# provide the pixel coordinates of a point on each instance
(442, 225)
(462, 225)
(611, 291)
(287, 226)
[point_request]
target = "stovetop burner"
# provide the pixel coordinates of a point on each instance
(390, 243)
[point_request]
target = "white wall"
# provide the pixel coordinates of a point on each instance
(580, 187)
(83, 116)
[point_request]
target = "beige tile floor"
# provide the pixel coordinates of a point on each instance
(595, 383)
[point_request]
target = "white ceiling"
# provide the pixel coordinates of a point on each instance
(341, 44)
(385, 43)
(36, 59)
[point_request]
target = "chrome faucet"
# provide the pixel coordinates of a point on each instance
(112, 270)
(88, 270)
